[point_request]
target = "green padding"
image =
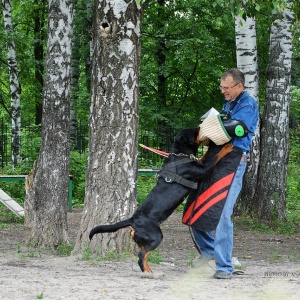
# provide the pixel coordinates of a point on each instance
(236, 128)
(239, 130)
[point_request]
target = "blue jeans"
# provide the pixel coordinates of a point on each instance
(220, 245)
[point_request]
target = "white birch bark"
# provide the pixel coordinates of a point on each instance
(113, 134)
(15, 87)
(247, 62)
(46, 202)
(275, 123)
(246, 53)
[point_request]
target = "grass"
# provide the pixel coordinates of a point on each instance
(192, 256)
(3, 227)
(65, 249)
(8, 217)
(155, 257)
(25, 251)
(89, 255)
(278, 227)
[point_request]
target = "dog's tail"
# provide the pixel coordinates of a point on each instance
(110, 228)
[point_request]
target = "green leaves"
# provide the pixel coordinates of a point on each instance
(199, 39)
(250, 8)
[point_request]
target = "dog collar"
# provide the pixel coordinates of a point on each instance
(166, 154)
(191, 156)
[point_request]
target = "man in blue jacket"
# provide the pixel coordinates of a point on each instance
(239, 105)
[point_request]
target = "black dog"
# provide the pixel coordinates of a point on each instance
(180, 173)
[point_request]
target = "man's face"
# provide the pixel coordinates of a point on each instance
(230, 89)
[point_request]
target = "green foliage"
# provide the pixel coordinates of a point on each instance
(293, 192)
(78, 171)
(65, 249)
(192, 46)
(292, 223)
(250, 8)
(15, 189)
(31, 143)
(293, 180)
(144, 186)
(8, 217)
(295, 109)
(294, 146)
(24, 14)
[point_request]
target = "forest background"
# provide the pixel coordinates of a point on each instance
(184, 48)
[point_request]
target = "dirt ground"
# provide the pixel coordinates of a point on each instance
(271, 264)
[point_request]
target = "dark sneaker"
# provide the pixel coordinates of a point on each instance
(222, 275)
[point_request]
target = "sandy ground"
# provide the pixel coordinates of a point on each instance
(272, 270)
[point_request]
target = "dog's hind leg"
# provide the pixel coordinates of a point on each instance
(143, 261)
(146, 249)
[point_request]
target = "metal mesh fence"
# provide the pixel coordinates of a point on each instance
(159, 138)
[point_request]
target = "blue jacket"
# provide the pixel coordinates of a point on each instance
(245, 110)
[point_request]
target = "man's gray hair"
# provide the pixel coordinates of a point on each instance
(236, 74)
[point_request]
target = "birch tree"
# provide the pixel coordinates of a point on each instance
(247, 62)
(272, 174)
(113, 127)
(46, 202)
(15, 87)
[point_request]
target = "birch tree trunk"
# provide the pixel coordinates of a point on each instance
(272, 175)
(247, 62)
(46, 202)
(15, 87)
(113, 128)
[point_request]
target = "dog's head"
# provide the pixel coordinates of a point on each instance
(186, 142)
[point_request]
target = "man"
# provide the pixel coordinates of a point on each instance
(239, 105)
